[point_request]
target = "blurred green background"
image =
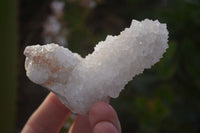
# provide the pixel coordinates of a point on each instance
(163, 99)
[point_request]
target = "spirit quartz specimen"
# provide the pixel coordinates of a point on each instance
(80, 82)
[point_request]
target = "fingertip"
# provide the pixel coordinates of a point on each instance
(105, 127)
(101, 111)
(49, 117)
(59, 105)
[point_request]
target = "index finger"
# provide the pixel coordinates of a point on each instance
(49, 117)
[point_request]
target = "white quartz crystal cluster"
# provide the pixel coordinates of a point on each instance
(80, 82)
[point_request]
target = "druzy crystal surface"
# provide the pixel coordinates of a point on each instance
(80, 82)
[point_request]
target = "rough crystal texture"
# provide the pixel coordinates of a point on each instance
(80, 82)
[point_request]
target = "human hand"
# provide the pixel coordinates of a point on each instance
(51, 114)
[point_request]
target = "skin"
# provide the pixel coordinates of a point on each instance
(51, 114)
